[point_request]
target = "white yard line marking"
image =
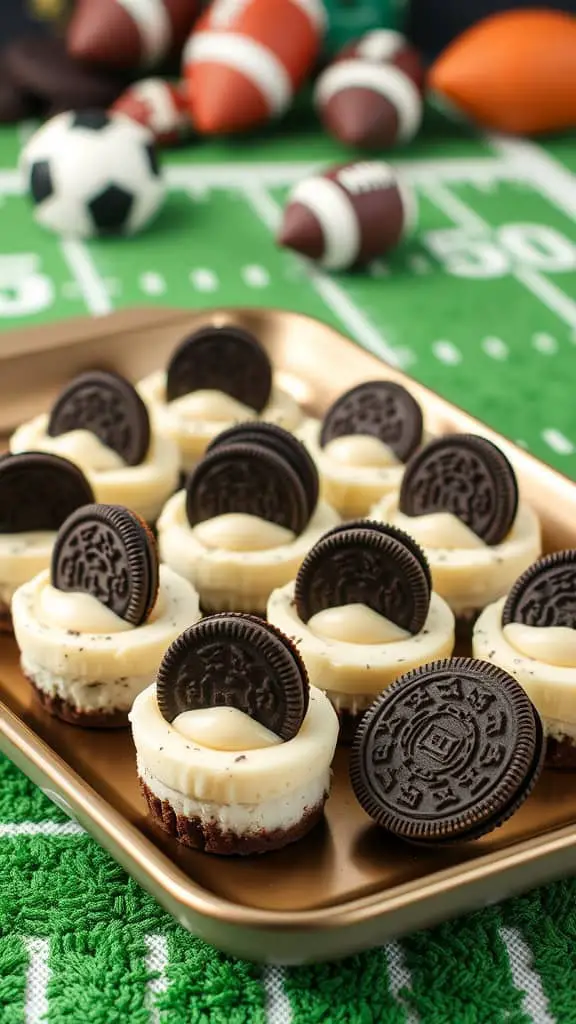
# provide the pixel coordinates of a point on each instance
(278, 1008)
(399, 977)
(9, 830)
(152, 283)
(545, 343)
(530, 163)
(11, 183)
(82, 268)
(495, 348)
(203, 279)
(355, 321)
(157, 962)
(558, 441)
(37, 978)
(255, 276)
(541, 287)
(447, 352)
(525, 977)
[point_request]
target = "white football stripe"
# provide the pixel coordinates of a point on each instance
(37, 978)
(245, 55)
(332, 208)
(384, 79)
(381, 44)
(153, 23)
(156, 93)
(316, 12)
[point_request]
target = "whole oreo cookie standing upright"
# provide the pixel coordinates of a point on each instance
(236, 661)
(228, 359)
(381, 409)
(38, 491)
(108, 406)
(448, 753)
(545, 595)
(468, 476)
(110, 553)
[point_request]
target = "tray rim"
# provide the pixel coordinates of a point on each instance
(155, 871)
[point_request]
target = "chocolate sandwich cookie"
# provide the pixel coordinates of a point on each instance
(468, 476)
(108, 552)
(366, 565)
(545, 595)
(108, 406)
(43, 70)
(380, 408)
(237, 661)
(227, 359)
(278, 440)
(387, 530)
(251, 479)
(449, 752)
(39, 491)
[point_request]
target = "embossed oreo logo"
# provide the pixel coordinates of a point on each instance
(545, 595)
(380, 408)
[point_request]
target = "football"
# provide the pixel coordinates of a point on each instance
(129, 33)
(92, 173)
(246, 58)
(349, 215)
(159, 105)
(370, 96)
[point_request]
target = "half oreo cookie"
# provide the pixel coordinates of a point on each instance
(448, 752)
(365, 565)
(380, 408)
(468, 476)
(387, 530)
(248, 478)
(109, 552)
(227, 359)
(237, 661)
(108, 406)
(38, 491)
(545, 595)
(278, 440)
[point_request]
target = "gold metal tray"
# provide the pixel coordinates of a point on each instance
(347, 886)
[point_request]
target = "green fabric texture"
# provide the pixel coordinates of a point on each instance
(480, 304)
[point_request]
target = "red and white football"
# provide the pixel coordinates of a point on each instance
(371, 94)
(129, 33)
(246, 58)
(349, 215)
(159, 105)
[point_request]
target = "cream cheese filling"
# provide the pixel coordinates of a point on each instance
(229, 577)
(22, 556)
(355, 471)
(73, 650)
(355, 624)
(237, 531)
(224, 728)
(249, 776)
(346, 667)
(468, 573)
(194, 419)
(143, 488)
(550, 686)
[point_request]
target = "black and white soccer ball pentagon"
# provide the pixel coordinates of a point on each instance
(92, 173)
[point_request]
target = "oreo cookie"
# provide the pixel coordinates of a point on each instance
(238, 661)
(380, 408)
(271, 436)
(545, 595)
(248, 478)
(227, 359)
(448, 752)
(108, 406)
(388, 530)
(38, 491)
(468, 476)
(109, 552)
(365, 564)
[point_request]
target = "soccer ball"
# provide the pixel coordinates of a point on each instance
(92, 173)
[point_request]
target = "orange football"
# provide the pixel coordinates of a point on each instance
(513, 72)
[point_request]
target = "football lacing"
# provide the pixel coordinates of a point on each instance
(367, 176)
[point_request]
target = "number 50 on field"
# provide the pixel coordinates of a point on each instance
(528, 245)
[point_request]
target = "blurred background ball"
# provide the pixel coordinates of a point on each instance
(91, 173)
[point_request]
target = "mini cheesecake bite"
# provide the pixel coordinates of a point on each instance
(218, 376)
(233, 746)
(93, 629)
(101, 423)
(363, 443)
(247, 518)
(459, 499)
(532, 635)
(37, 493)
(448, 753)
(361, 612)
